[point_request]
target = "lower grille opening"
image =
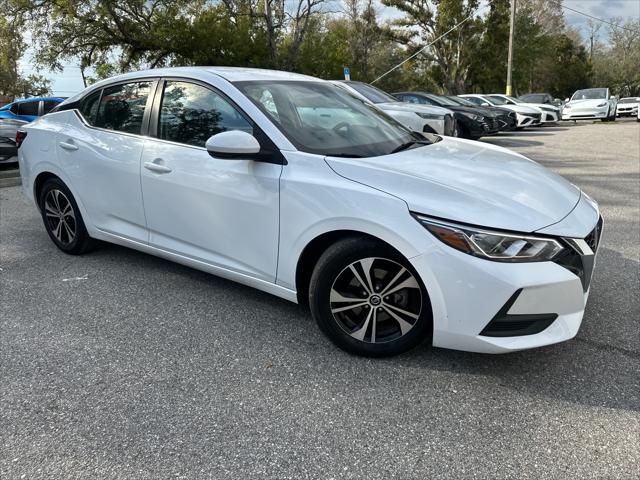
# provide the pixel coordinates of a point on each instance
(505, 325)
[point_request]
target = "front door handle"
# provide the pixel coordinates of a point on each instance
(154, 167)
(68, 146)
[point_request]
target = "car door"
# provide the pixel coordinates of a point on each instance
(219, 211)
(100, 148)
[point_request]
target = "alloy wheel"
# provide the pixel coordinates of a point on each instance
(376, 300)
(60, 216)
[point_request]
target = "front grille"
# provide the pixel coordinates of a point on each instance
(491, 124)
(578, 264)
(593, 239)
(505, 325)
(537, 116)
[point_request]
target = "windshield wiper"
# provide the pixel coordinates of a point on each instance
(406, 145)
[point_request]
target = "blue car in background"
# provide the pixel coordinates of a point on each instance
(30, 108)
(16, 114)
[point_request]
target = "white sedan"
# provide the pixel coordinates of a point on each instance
(628, 107)
(291, 185)
(419, 118)
(591, 103)
(526, 116)
(550, 113)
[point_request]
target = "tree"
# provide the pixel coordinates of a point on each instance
(425, 21)
(12, 83)
(616, 67)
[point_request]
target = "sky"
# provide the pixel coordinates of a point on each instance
(69, 81)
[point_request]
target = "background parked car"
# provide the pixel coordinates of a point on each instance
(507, 119)
(549, 113)
(30, 108)
(541, 98)
(8, 149)
(16, 114)
(419, 118)
(526, 116)
(628, 107)
(590, 103)
(472, 122)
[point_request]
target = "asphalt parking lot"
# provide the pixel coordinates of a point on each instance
(121, 365)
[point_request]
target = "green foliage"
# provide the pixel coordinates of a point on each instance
(111, 36)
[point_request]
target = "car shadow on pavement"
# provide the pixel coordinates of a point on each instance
(513, 142)
(599, 367)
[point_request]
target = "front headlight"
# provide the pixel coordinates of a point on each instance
(430, 116)
(492, 245)
(473, 116)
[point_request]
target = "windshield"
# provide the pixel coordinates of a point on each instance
(322, 118)
(494, 100)
(590, 94)
(462, 101)
(442, 101)
(373, 94)
(533, 98)
(629, 100)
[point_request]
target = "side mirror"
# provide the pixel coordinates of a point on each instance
(233, 144)
(613, 97)
(566, 100)
(485, 104)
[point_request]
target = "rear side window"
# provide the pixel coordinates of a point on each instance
(28, 108)
(121, 107)
(191, 113)
(48, 106)
(89, 107)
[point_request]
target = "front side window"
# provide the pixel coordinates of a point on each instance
(191, 113)
(121, 107)
(322, 118)
(28, 108)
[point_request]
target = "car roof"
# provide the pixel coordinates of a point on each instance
(35, 99)
(232, 74)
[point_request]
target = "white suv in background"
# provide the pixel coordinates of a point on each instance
(590, 103)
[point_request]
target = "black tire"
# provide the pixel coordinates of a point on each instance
(67, 230)
(383, 335)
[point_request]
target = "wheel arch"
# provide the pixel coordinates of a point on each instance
(314, 249)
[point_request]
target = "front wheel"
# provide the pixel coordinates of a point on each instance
(368, 299)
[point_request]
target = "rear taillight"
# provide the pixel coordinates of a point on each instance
(20, 136)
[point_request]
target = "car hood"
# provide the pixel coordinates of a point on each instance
(464, 181)
(412, 107)
(476, 111)
(542, 105)
(587, 103)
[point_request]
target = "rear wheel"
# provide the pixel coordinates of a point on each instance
(62, 218)
(368, 299)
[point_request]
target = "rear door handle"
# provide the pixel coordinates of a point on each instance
(154, 167)
(68, 146)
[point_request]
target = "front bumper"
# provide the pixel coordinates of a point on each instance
(584, 114)
(529, 119)
(493, 307)
(628, 111)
